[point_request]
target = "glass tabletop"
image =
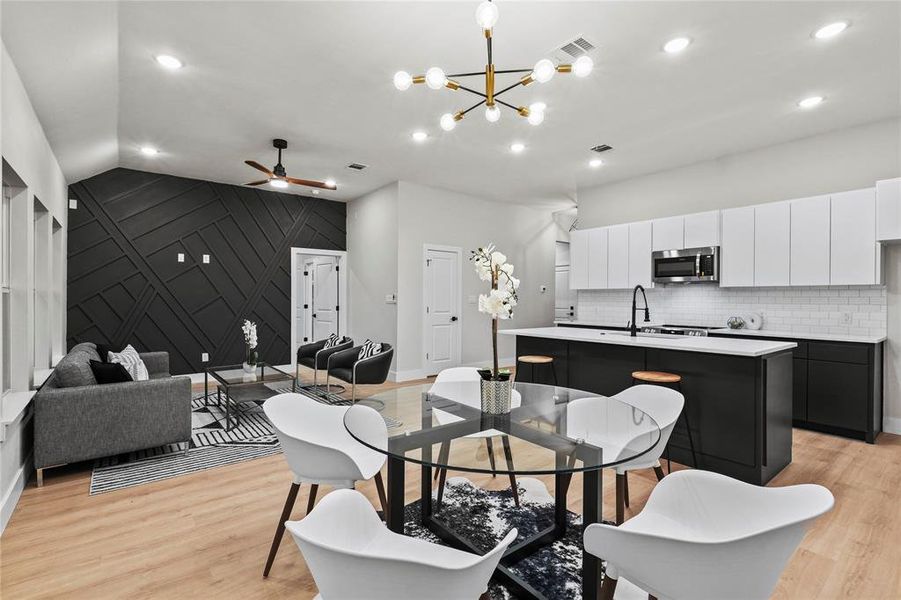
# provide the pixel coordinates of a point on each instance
(235, 375)
(549, 430)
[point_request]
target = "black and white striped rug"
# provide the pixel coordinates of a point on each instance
(210, 446)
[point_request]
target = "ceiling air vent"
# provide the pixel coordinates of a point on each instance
(356, 166)
(573, 49)
(602, 148)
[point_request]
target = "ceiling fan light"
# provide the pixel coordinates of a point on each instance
(448, 122)
(543, 70)
(278, 183)
(403, 80)
(583, 66)
(435, 78)
(492, 114)
(486, 14)
(330, 183)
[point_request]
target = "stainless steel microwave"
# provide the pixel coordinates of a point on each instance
(686, 266)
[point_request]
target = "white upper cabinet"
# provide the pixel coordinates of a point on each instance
(618, 256)
(810, 241)
(737, 251)
(702, 229)
(597, 258)
(667, 233)
(772, 244)
(578, 259)
(854, 248)
(640, 244)
(888, 209)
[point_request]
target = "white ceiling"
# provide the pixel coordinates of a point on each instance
(319, 74)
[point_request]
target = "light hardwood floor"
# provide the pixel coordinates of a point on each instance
(208, 534)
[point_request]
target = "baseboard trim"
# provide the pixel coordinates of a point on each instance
(891, 425)
(11, 498)
(413, 374)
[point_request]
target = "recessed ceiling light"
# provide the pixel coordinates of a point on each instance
(810, 102)
(594, 163)
(420, 136)
(676, 45)
(278, 183)
(517, 147)
(832, 29)
(168, 61)
(330, 183)
(315, 192)
(149, 151)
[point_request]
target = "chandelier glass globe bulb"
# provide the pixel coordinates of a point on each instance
(435, 78)
(486, 14)
(448, 122)
(583, 66)
(536, 113)
(402, 80)
(543, 70)
(492, 114)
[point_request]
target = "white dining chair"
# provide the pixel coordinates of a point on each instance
(351, 554)
(320, 451)
(663, 405)
(705, 536)
(461, 384)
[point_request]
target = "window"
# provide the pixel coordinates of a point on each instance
(5, 249)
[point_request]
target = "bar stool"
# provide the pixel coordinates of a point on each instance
(673, 380)
(536, 359)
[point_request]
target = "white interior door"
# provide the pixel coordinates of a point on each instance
(325, 297)
(301, 300)
(564, 298)
(441, 279)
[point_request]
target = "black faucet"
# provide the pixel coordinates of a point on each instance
(633, 331)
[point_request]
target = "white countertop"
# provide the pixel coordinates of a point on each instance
(709, 345)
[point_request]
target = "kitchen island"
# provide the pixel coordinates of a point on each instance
(738, 392)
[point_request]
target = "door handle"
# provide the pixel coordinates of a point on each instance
(453, 319)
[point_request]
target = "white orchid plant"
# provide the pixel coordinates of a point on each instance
(499, 302)
(249, 328)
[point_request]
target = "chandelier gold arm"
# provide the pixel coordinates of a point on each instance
(419, 79)
(564, 68)
(489, 85)
(452, 85)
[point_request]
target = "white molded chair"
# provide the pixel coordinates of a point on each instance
(351, 554)
(320, 451)
(461, 384)
(705, 536)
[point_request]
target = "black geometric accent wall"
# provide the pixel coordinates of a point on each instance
(125, 285)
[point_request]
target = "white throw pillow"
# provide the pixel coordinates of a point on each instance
(131, 360)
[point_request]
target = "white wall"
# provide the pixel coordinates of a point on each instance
(24, 147)
(435, 216)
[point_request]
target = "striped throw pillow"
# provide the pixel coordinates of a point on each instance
(369, 348)
(331, 341)
(131, 360)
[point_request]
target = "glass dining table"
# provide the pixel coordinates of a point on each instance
(550, 430)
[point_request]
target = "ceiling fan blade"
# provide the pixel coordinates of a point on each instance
(260, 182)
(308, 183)
(257, 165)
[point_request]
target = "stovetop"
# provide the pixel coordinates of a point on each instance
(688, 330)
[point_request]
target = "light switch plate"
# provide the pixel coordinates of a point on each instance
(542, 288)
(181, 257)
(390, 298)
(206, 259)
(204, 357)
(73, 203)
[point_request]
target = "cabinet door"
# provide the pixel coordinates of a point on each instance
(597, 258)
(854, 247)
(640, 254)
(667, 233)
(810, 241)
(702, 229)
(837, 394)
(737, 259)
(578, 259)
(772, 244)
(888, 209)
(799, 389)
(618, 256)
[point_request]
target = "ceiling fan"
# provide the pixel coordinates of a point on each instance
(278, 177)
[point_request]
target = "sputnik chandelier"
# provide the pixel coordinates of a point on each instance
(435, 78)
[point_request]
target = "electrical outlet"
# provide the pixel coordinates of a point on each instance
(846, 318)
(204, 357)
(206, 259)
(73, 203)
(181, 257)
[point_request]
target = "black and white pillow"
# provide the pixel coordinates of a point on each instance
(331, 341)
(131, 360)
(369, 348)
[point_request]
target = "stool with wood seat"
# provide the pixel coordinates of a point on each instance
(532, 360)
(673, 380)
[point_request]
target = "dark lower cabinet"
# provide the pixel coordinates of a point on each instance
(799, 389)
(837, 394)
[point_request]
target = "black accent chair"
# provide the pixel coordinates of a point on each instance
(316, 355)
(348, 366)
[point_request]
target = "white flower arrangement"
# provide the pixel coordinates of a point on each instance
(491, 265)
(250, 334)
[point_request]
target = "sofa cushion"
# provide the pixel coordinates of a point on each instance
(74, 370)
(109, 372)
(90, 348)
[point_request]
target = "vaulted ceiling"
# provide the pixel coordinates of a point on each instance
(320, 75)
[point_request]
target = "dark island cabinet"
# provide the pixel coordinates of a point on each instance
(837, 387)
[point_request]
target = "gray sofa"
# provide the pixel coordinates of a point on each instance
(76, 419)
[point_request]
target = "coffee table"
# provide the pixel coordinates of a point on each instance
(239, 387)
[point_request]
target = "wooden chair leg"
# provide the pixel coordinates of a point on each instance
(508, 454)
(490, 445)
(380, 487)
(314, 489)
(626, 488)
(280, 530)
(658, 471)
(608, 588)
(620, 500)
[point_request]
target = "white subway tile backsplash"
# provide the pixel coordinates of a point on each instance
(807, 310)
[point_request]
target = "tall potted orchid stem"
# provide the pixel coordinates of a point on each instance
(492, 266)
